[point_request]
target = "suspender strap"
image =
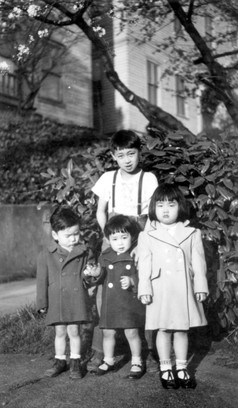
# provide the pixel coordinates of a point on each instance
(113, 189)
(140, 193)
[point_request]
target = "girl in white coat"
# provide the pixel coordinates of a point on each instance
(172, 281)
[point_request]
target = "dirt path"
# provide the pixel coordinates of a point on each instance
(23, 386)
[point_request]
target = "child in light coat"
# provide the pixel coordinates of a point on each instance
(172, 281)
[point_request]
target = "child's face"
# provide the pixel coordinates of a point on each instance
(67, 238)
(120, 242)
(127, 159)
(167, 211)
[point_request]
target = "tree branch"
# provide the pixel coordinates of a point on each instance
(224, 54)
(190, 10)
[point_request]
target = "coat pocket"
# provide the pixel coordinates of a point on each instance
(155, 274)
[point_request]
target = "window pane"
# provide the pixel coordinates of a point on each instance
(152, 80)
(51, 88)
(180, 89)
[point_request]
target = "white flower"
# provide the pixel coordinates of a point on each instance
(16, 12)
(4, 67)
(33, 10)
(43, 33)
(31, 38)
(101, 31)
(23, 50)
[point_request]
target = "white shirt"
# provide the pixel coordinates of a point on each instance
(126, 192)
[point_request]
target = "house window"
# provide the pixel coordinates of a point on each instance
(180, 96)
(8, 84)
(152, 79)
(51, 88)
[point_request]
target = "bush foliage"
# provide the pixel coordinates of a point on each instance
(29, 145)
(207, 173)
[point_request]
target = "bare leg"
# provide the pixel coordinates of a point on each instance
(75, 343)
(60, 340)
(134, 341)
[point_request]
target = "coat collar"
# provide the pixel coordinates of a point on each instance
(182, 232)
(112, 256)
(78, 250)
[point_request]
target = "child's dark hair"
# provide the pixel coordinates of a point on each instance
(169, 192)
(62, 218)
(122, 223)
(125, 139)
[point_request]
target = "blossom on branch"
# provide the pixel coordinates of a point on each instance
(33, 10)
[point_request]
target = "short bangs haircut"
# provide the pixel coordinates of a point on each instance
(122, 223)
(62, 218)
(125, 139)
(169, 192)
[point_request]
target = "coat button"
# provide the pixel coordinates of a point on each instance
(110, 266)
(61, 260)
(110, 285)
(128, 267)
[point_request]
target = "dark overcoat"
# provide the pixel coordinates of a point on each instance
(60, 285)
(120, 308)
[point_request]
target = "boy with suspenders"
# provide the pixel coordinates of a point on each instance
(124, 191)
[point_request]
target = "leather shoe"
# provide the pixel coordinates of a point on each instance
(170, 382)
(100, 371)
(136, 375)
(186, 381)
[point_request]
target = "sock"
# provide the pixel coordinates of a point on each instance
(62, 357)
(109, 360)
(75, 356)
(136, 360)
(165, 365)
(181, 365)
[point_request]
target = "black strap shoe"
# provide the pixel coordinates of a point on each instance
(170, 382)
(186, 381)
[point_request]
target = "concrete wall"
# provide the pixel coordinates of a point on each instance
(23, 234)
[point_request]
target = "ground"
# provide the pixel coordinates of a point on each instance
(22, 384)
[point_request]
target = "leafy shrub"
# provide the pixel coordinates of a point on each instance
(206, 171)
(27, 147)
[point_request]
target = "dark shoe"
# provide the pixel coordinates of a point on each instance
(136, 375)
(171, 382)
(75, 369)
(186, 381)
(151, 363)
(59, 367)
(94, 362)
(101, 371)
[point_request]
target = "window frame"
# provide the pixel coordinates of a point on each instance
(152, 82)
(180, 96)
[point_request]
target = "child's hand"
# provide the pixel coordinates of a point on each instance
(146, 299)
(126, 282)
(201, 296)
(92, 269)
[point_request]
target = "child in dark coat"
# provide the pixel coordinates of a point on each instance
(120, 307)
(60, 289)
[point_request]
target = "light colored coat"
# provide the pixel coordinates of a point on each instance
(172, 269)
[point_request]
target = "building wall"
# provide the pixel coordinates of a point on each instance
(23, 236)
(130, 61)
(76, 82)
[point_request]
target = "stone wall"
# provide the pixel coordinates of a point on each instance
(23, 234)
